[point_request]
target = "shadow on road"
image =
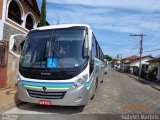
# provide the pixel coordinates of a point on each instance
(51, 109)
(46, 109)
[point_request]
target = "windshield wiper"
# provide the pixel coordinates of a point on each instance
(52, 44)
(40, 57)
(83, 47)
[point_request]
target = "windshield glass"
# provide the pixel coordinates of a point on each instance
(54, 49)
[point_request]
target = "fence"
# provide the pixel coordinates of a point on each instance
(3, 53)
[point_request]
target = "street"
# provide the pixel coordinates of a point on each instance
(118, 94)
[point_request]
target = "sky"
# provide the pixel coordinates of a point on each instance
(112, 22)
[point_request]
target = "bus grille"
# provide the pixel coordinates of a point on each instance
(46, 95)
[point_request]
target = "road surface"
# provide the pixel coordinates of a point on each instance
(118, 94)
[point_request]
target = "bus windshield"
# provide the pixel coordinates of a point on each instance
(54, 49)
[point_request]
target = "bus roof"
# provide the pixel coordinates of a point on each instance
(58, 26)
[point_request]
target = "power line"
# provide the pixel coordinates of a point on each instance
(154, 45)
(152, 50)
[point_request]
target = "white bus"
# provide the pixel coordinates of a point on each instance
(59, 65)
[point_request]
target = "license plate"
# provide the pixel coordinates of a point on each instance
(45, 102)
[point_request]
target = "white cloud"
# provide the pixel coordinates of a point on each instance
(128, 4)
(120, 16)
(106, 20)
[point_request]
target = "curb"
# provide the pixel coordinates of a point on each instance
(145, 82)
(13, 103)
(157, 88)
(5, 108)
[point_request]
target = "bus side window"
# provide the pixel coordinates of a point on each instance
(94, 54)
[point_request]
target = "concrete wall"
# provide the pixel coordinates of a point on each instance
(158, 76)
(8, 28)
(8, 31)
(12, 67)
(136, 62)
(1, 30)
(1, 8)
(25, 10)
(12, 70)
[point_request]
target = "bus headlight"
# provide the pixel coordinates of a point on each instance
(80, 81)
(18, 78)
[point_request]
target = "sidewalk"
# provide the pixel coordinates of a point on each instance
(8, 99)
(146, 82)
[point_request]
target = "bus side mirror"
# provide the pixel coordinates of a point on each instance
(15, 44)
(85, 53)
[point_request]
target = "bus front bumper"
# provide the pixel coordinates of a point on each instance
(73, 97)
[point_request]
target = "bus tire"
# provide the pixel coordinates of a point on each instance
(102, 79)
(92, 97)
(96, 84)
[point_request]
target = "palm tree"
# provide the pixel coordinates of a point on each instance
(43, 14)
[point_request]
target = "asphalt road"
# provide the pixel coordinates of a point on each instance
(118, 94)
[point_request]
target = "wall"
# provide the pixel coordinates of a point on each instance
(136, 63)
(12, 70)
(1, 30)
(158, 76)
(12, 67)
(9, 28)
(8, 31)
(26, 10)
(1, 8)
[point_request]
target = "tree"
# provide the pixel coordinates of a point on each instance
(107, 57)
(43, 14)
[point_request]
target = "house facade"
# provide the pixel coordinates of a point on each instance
(16, 17)
(131, 64)
(154, 69)
(126, 63)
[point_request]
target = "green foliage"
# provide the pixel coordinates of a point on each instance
(43, 14)
(108, 58)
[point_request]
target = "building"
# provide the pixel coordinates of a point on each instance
(154, 69)
(16, 17)
(131, 64)
(127, 61)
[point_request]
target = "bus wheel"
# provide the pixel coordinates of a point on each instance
(102, 79)
(96, 84)
(92, 97)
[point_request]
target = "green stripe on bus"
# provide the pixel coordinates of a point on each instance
(46, 86)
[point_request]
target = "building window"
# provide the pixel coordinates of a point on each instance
(14, 12)
(29, 22)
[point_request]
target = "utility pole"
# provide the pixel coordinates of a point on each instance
(121, 63)
(140, 52)
(119, 57)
